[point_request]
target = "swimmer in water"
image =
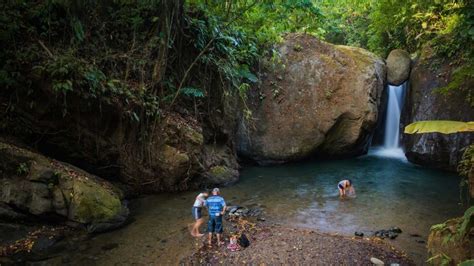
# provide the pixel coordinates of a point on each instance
(345, 188)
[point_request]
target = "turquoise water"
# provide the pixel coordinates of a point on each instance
(389, 192)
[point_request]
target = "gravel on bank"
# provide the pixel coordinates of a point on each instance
(276, 244)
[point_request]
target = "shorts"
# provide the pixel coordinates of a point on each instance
(197, 213)
(340, 186)
(215, 225)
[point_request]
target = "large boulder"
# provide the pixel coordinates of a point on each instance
(452, 242)
(398, 67)
(35, 187)
(315, 98)
(425, 102)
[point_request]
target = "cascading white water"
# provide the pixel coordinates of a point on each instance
(391, 146)
(392, 121)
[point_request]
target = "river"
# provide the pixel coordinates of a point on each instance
(389, 192)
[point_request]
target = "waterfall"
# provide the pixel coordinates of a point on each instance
(391, 146)
(392, 121)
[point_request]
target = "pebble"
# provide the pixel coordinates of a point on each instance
(376, 261)
(359, 234)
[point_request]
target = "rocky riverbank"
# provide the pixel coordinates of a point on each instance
(277, 244)
(269, 243)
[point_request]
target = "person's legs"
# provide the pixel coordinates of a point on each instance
(199, 222)
(210, 228)
(193, 230)
(219, 230)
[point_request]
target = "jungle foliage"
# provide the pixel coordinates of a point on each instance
(149, 56)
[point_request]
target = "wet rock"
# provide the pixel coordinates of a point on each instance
(221, 175)
(327, 103)
(221, 166)
(233, 209)
(423, 102)
(360, 234)
(398, 66)
(395, 230)
(391, 233)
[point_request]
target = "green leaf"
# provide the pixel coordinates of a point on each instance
(192, 92)
(466, 263)
(244, 72)
(440, 126)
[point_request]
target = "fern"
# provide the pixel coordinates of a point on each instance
(192, 92)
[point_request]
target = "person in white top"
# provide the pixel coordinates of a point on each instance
(346, 188)
(197, 213)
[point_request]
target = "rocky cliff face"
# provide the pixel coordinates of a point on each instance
(315, 98)
(165, 154)
(424, 103)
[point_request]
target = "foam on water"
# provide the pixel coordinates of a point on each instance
(395, 153)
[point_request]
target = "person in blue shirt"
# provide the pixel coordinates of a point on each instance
(216, 206)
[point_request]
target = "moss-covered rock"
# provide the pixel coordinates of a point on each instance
(91, 203)
(221, 175)
(453, 241)
(43, 188)
(220, 166)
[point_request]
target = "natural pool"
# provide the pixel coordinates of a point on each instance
(390, 192)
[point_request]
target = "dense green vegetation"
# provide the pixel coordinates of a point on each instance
(149, 55)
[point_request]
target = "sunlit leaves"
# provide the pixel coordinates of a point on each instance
(440, 126)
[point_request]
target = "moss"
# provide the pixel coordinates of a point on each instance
(93, 203)
(219, 171)
(174, 157)
(194, 136)
(361, 57)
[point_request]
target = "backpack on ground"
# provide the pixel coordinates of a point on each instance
(243, 241)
